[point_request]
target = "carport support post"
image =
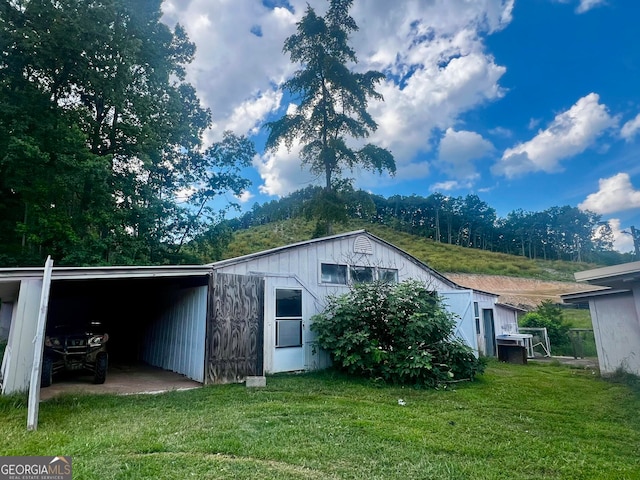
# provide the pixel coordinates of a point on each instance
(34, 386)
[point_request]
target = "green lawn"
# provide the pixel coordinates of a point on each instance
(515, 422)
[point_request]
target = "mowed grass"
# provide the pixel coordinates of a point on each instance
(515, 422)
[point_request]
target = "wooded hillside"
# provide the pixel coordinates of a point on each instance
(559, 233)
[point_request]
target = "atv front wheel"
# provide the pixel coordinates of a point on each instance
(102, 362)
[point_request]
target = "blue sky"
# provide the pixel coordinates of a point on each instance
(529, 104)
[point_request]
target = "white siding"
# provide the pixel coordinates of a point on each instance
(299, 266)
(617, 333)
(18, 364)
(506, 320)
(176, 340)
(304, 262)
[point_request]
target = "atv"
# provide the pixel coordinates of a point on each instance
(72, 348)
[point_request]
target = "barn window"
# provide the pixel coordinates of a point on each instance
(337, 274)
(288, 317)
(361, 274)
(332, 273)
(388, 275)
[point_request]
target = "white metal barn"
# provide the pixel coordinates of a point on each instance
(231, 319)
(615, 315)
(310, 271)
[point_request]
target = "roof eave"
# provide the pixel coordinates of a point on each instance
(581, 297)
(603, 275)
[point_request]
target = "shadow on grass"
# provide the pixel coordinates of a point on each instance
(625, 378)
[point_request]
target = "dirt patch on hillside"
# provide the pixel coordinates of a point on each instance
(525, 293)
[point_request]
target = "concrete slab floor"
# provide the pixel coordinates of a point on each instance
(121, 380)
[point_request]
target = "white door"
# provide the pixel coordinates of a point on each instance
(460, 303)
(289, 333)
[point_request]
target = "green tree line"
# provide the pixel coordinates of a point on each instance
(557, 233)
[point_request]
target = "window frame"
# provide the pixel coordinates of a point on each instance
(355, 281)
(351, 279)
(476, 315)
(346, 273)
(290, 319)
(388, 270)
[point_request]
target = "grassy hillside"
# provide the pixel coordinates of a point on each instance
(442, 257)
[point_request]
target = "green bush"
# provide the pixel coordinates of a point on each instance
(400, 333)
(549, 316)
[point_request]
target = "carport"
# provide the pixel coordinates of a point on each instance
(153, 315)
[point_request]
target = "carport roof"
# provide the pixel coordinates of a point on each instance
(10, 277)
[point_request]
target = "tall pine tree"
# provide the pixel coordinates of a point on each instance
(332, 105)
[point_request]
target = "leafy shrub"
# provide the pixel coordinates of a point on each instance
(549, 316)
(400, 333)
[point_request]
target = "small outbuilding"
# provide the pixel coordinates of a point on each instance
(615, 315)
(232, 319)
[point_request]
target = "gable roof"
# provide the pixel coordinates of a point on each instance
(353, 234)
(10, 277)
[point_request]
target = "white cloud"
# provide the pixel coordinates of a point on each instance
(586, 5)
(615, 194)
(415, 170)
(247, 117)
(433, 97)
(458, 150)
(533, 123)
(630, 128)
(501, 132)
(570, 133)
(283, 173)
(434, 52)
(233, 67)
(445, 186)
(622, 240)
(245, 196)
